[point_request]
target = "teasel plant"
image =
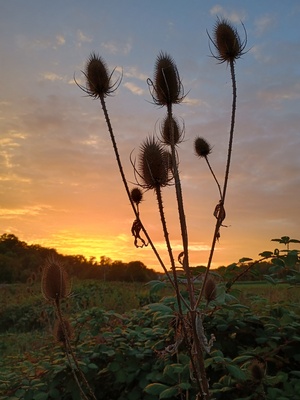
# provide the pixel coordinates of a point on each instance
(56, 287)
(157, 167)
(100, 85)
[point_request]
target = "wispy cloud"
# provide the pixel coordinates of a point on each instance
(83, 38)
(263, 24)
(51, 76)
(233, 16)
(60, 40)
(134, 88)
(114, 47)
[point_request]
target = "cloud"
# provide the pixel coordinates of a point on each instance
(51, 76)
(134, 88)
(133, 72)
(233, 16)
(60, 40)
(263, 24)
(83, 38)
(114, 47)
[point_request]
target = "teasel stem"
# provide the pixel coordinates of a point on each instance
(182, 219)
(222, 201)
(214, 176)
(69, 351)
(168, 243)
(135, 210)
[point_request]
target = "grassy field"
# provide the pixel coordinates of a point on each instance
(26, 319)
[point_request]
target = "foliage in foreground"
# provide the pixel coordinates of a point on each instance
(134, 355)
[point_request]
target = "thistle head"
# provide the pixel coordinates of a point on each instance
(227, 41)
(210, 290)
(154, 165)
(167, 86)
(202, 147)
(170, 130)
(136, 195)
(257, 370)
(98, 79)
(55, 281)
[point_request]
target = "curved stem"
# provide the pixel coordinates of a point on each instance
(220, 215)
(168, 243)
(112, 137)
(69, 351)
(182, 219)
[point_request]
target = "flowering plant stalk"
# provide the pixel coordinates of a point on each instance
(157, 167)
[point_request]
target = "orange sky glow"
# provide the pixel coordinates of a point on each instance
(59, 182)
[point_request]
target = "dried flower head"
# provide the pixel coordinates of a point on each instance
(170, 131)
(55, 281)
(154, 165)
(167, 86)
(62, 333)
(202, 147)
(98, 79)
(136, 195)
(257, 370)
(210, 290)
(227, 41)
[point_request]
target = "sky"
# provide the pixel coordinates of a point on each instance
(59, 182)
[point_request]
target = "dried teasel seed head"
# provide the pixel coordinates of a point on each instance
(257, 370)
(227, 41)
(62, 333)
(55, 281)
(98, 79)
(167, 87)
(136, 195)
(210, 290)
(170, 130)
(153, 165)
(202, 147)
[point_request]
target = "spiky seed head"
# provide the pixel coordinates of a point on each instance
(153, 167)
(170, 131)
(227, 41)
(136, 195)
(62, 333)
(55, 281)
(257, 370)
(210, 290)
(98, 79)
(202, 147)
(168, 88)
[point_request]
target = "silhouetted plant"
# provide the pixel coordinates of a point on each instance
(157, 167)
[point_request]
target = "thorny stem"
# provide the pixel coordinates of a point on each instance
(69, 352)
(198, 366)
(214, 176)
(112, 137)
(220, 219)
(182, 219)
(167, 240)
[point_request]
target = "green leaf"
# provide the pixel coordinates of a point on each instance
(245, 259)
(270, 279)
(155, 388)
(169, 393)
(266, 254)
(41, 396)
(236, 372)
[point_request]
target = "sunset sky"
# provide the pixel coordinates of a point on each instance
(59, 182)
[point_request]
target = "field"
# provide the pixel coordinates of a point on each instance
(98, 308)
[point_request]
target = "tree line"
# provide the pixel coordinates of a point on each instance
(20, 261)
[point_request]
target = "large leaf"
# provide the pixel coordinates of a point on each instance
(155, 388)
